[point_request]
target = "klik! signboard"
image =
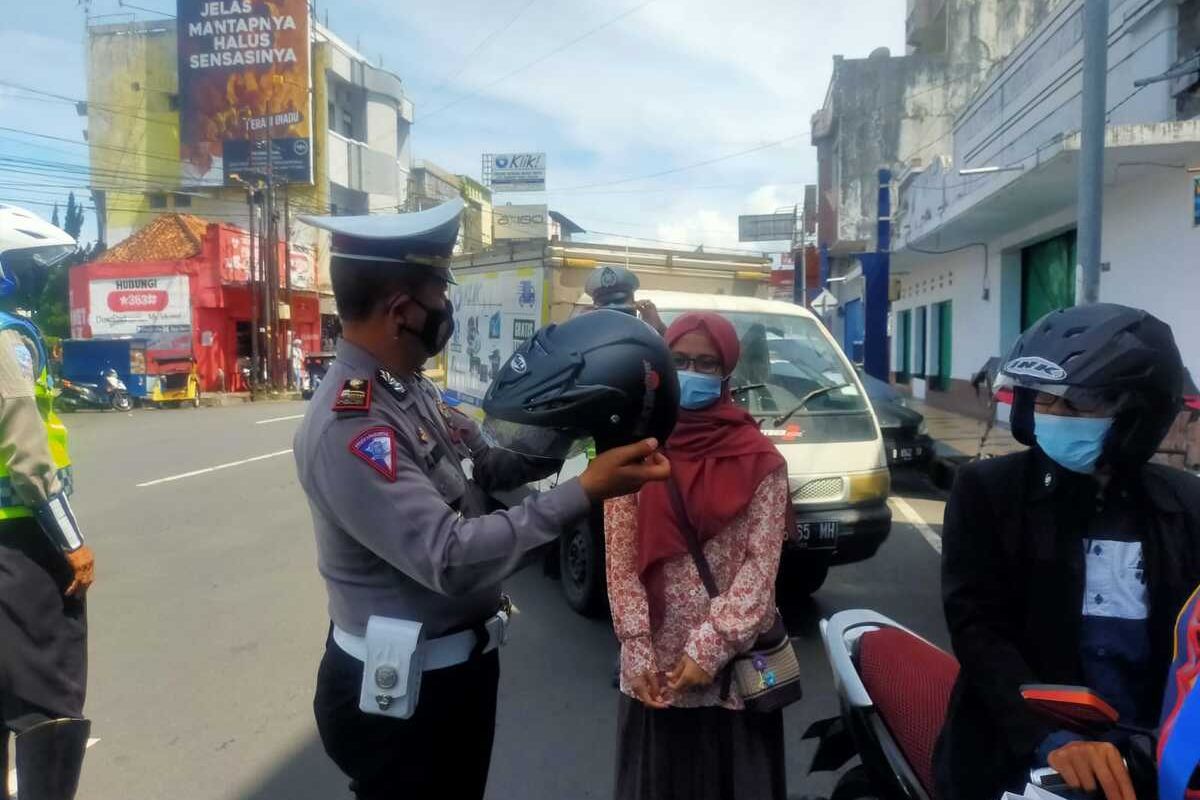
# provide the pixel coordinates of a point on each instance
(244, 82)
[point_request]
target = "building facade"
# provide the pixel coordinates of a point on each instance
(897, 113)
(361, 123)
(981, 257)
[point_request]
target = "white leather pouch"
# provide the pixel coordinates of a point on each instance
(392, 669)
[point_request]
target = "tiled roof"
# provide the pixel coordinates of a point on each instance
(171, 237)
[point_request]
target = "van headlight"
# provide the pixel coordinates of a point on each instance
(867, 486)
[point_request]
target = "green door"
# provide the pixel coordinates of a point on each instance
(903, 346)
(945, 338)
(1047, 278)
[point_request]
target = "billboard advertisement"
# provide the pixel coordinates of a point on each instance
(244, 81)
(520, 222)
(516, 172)
(494, 312)
(155, 308)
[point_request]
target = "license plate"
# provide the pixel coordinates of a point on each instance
(816, 535)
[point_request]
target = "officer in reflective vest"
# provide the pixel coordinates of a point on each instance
(45, 568)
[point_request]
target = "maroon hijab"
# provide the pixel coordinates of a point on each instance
(718, 458)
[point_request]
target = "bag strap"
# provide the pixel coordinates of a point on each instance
(697, 552)
(692, 538)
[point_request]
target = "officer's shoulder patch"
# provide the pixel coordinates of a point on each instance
(377, 447)
(355, 395)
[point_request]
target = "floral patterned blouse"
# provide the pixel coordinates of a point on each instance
(744, 558)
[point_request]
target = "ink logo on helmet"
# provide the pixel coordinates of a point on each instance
(608, 278)
(1036, 367)
(519, 364)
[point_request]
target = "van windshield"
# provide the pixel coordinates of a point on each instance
(790, 359)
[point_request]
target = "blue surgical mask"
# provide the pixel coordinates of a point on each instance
(1072, 442)
(697, 390)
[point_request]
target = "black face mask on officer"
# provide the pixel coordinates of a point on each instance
(437, 330)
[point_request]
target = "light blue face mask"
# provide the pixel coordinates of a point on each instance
(697, 390)
(1072, 442)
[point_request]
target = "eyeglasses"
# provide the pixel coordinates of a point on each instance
(1080, 403)
(705, 365)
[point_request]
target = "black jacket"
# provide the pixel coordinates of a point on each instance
(1012, 586)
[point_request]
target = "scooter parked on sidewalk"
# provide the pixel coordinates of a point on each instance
(110, 392)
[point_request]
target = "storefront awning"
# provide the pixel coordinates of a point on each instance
(948, 210)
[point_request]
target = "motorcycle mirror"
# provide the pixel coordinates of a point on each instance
(1076, 708)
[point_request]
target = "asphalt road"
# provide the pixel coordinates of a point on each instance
(207, 623)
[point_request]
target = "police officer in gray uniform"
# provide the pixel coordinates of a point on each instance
(404, 543)
(615, 287)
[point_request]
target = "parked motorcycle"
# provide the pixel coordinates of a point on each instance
(110, 392)
(894, 689)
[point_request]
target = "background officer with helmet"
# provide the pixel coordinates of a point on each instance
(406, 692)
(1068, 562)
(615, 288)
(45, 568)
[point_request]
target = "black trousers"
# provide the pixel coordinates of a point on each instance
(443, 751)
(43, 635)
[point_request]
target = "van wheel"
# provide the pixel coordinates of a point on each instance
(581, 565)
(799, 578)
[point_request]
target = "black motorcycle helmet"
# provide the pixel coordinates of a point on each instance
(1100, 353)
(603, 375)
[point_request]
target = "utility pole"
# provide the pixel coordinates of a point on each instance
(272, 257)
(1091, 145)
(253, 296)
(287, 283)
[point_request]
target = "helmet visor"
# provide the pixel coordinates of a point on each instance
(552, 444)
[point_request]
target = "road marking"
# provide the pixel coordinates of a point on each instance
(913, 518)
(207, 470)
(12, 774)
(278, 419)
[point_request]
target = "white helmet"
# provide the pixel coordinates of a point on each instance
(28, 245)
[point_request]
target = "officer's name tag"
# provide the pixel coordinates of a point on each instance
(391, 684)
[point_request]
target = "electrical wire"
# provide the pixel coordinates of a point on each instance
(567, 45)
(462, 65)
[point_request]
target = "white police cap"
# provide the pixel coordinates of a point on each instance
(420, 238)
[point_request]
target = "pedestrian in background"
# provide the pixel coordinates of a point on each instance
(682, 733)
(296, 357)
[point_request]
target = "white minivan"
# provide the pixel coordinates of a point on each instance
(795, 379)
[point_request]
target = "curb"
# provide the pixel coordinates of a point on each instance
(241, 398)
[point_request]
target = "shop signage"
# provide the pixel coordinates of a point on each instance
(157, 308)
(520, 222)
(516, 172)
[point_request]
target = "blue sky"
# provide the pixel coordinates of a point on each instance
(668, 84)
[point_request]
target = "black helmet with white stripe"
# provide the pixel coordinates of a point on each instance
(1104, 355)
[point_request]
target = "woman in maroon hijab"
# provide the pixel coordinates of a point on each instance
(678, 736)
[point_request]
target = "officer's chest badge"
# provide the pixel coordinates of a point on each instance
(422, 435)
(394, 386)
(355, 395)
(377, 447)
